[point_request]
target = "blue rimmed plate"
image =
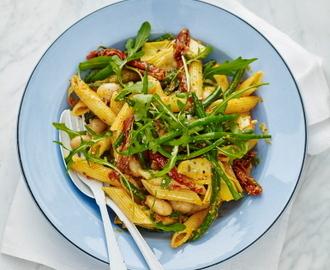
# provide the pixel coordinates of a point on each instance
(242, 223)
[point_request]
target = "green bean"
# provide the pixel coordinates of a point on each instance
(198, 106)
(235, 82)
(200, 112)
(119, 140)
(212, 97)
(95, 63)
(102, 74)
(236, 195)
(217, 135)
(213, 210)
(170, 163)
(199, 152)
(142, 161)
(212, 119)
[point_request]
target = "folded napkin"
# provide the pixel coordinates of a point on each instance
(29, 236)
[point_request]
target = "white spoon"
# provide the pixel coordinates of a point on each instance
(93, 189)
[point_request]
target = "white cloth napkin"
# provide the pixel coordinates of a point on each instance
(29, 236)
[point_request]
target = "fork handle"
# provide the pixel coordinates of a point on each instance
(148, 255)
(115, 258)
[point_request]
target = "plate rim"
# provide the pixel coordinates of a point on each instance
(303, 159)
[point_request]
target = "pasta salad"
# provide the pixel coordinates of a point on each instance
(167, 129)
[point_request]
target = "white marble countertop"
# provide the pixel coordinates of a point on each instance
(28, 28)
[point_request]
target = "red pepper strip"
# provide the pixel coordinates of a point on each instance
(241, 170)
(154, 71)
(107, 52)
(127, 125)
(181, 46)
(123, 161)
(173, 173)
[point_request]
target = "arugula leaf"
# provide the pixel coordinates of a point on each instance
(71, 133)
(170, 163)
(132, 88)
(141, 106)
(201, 54)
(227, 68)
(141, 38)
(221, 107)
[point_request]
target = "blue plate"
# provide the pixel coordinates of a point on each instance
(76, 217)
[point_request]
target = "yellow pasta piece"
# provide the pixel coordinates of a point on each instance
(93, 101)
(173, 102)
(199, 169)
(160, 54)
(115, 106)
(125, 112)
(179, 194)
(256, 78)
(242, 105)
(196, 78)
(156, 88)
(100, 147)
(131, 209)
(93, 170)
(192, 224)
(79, 109)
(195, 47)
(231, 175)
(222, 81)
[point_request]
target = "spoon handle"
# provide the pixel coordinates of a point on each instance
(115, 258)
(148, 255)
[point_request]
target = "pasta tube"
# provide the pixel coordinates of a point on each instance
(254, 79)
(196, 78)
(93, 101)
(179, 194)
(192, 224)
(132, 210)
(93, 170)
(79, 109)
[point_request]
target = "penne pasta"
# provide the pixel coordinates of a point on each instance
(156, 88)
(256, 78)
(125, 112)
(132, 210)
(192, 224)
(242, 105)
(93, 102)
(180, 193)
(114, 105)
(93, 170)
(174, 103)
(196, 78)
(79, 109)
(100, 147)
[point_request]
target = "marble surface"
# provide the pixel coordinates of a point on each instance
(28, 28)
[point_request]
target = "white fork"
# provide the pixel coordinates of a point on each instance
(95, 190)
(115, 257)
